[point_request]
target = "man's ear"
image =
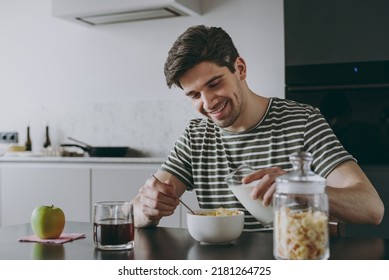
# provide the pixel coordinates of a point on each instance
(240, 66)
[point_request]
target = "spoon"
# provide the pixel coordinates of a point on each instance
(178, 199)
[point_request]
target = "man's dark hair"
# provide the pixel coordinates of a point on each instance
(198, 44)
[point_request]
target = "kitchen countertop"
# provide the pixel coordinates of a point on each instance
(40, 159)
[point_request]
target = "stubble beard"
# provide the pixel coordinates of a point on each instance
(235, 108)
(231, 119)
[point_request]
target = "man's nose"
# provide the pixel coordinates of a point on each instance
(209, 101)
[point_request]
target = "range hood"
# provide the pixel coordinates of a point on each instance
(98, 12)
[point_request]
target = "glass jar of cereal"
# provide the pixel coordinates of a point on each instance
(301, 213)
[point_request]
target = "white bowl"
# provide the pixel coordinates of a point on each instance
(215, 229)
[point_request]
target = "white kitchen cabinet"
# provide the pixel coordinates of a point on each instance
(123, 183)
(75, 185)
(24, 187)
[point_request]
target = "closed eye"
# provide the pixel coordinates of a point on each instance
(194, 95)
(211, 83)
(214, 84)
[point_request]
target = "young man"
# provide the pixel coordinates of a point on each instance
(241, 126)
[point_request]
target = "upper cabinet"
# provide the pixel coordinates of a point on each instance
(333, 31)
(98, 12)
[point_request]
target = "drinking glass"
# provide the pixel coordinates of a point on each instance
(113, 225)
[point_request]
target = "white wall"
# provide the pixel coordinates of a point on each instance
(105, 85)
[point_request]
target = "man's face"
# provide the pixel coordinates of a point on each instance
(216, 92)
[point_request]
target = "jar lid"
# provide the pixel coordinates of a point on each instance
(301, 187)
(301, 180)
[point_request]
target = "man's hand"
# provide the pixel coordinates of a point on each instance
(156, 200)
(266, 185)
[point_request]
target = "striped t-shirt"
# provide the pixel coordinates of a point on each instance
(205, 153)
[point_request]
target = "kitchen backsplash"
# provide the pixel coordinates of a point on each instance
(150, 126)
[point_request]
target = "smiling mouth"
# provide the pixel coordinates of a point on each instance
(219, 109)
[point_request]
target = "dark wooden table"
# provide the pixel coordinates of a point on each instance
(173, 244)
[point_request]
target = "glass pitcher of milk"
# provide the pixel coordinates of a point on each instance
(242, 192)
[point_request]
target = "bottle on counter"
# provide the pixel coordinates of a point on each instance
(28, 141)
(47, 141)
(301, 213)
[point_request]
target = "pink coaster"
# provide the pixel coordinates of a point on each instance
(65, 237)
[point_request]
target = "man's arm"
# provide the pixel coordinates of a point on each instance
(352, 197)
(157, 199)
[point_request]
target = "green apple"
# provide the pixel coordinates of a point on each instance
(47, 221)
